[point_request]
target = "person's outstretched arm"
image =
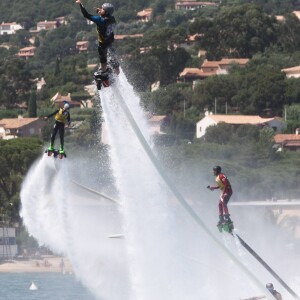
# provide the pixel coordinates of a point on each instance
(51, 115)
(96, 19)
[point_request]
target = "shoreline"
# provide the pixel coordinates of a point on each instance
(50, 264)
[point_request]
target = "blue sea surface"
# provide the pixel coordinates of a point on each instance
(51, 286)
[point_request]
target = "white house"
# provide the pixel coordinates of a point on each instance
(9, 28)
(236, 120)
(145, 15)
(192, 5)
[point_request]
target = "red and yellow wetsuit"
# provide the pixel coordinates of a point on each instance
(224, 185)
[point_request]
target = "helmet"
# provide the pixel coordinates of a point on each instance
(109, 8)
(217, 169)
(270, 286)
(66, 105)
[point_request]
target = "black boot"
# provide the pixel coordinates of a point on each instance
(227, 218)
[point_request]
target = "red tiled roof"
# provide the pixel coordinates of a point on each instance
(195, 72)
(228, 61)
(145, 13)
(297, 13)
(123, 36)
(82, 43)
(292, 70)
(195, 3)
(281, 138)
(210, 64)
(156, 118)
(27, 48)
(224, 61)
(192, 38)
(240, 119)
(48, 23)
(16, 122)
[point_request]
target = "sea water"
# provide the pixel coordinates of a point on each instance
(51, 286)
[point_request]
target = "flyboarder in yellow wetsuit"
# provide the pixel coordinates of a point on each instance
(62, 118)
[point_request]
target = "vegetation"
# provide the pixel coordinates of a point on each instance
(16, 156)
(235, 29)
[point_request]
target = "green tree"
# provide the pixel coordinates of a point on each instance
(219, 134)
(32, 107)
(16, 156)
(239, 31)
(289, 37)
(15, 81)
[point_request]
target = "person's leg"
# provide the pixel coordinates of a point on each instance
(102, 51)
(225, 208)
(61, 136)
(221, 218)
(54, 132)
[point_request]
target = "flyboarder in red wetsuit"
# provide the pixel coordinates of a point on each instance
(226, 191)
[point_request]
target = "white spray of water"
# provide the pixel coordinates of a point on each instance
(77, 225)
(160, 235)
(164, 254)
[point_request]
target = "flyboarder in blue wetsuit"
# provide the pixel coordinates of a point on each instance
(106, 23)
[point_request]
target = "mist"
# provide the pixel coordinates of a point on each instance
(160, 252)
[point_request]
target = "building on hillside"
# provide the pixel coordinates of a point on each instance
(191, 74)
(6, 46)
(82, 46)
(8, 245)
(9, 28)
(144, 50)
(47, 25)
(288, 141)
(193, 5)
(236, 120)
(156, 124)
(61, 21)
(210, 68)
(39, 83)
(292, 72)
(21, 127)
(189, 41)
(297, 13)
(120, 37)
(58, 100)
(145, 15)
(222, 66)
(281, 18)
(27, 52)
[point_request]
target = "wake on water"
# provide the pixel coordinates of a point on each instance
(164, 255)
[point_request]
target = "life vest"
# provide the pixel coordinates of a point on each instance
(221, 180)
(106, 33)
(62, 116)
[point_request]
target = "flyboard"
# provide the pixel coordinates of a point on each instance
(56, 153)
(107, 78)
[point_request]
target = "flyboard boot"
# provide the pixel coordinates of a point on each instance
(228, 224)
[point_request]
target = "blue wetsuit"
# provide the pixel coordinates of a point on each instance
(105, 30)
